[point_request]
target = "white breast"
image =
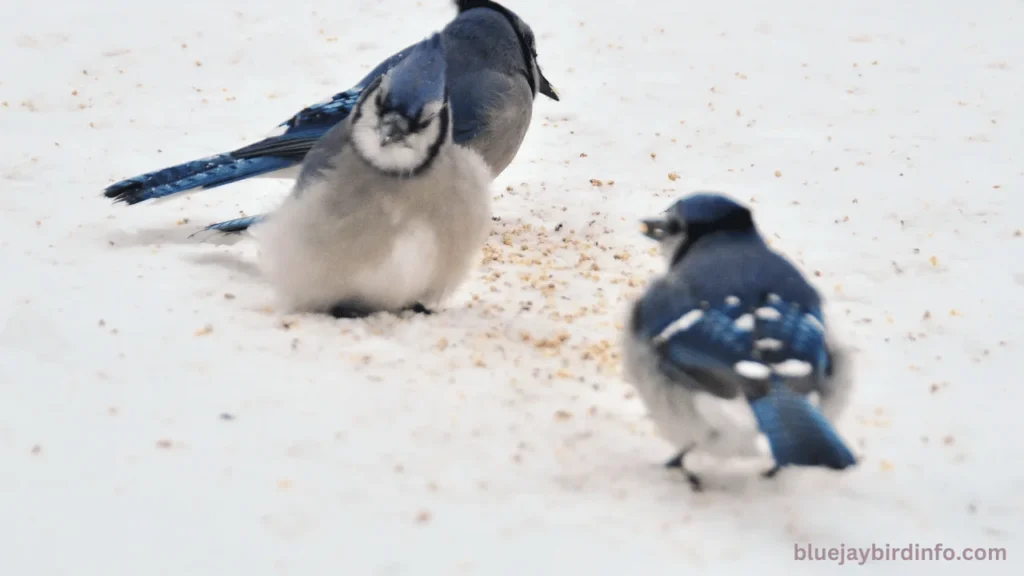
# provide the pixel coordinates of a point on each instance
(405, 275)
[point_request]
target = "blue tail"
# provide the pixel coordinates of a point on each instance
(799, 435)
(300, 133)
(237, 225)
(205, 173)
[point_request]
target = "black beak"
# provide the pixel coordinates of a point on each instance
(659, 228)
(545, 87)
(392, 127)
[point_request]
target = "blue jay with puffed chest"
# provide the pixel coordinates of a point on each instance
(493, 79)
(730, 347)
(388, 213)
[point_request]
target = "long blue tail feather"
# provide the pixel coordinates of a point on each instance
(205, 173)
(237, 225)
(798, 433)
(269, 155)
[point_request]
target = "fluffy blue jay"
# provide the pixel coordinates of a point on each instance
(730, 348)
(493, 79)
(388, 212)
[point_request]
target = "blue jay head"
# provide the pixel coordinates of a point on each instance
(695, 216)
(527, 42)
(402, 119)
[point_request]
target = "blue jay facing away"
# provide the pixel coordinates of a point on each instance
(729, 347)
(493, 78)
(388, 212)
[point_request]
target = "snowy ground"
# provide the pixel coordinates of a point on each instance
(157, 416)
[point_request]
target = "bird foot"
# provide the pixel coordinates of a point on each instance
(677, 463)
(771, 473)
(351, 310)
(419, 308)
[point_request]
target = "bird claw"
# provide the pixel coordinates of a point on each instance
(677, 463)
(768, 474)
(349, 310)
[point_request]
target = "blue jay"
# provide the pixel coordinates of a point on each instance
(493, 78)
(729, 348)
(388, 211)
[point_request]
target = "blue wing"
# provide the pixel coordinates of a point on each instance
(304, 129)
(307, 126)
(698, 342)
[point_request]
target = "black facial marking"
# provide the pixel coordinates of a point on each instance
(443, 117)
(418, 125)
(525, 44)
(442, 135)
(672, 227)
(357, 111)
(738, 220)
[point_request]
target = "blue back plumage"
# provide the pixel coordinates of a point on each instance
(740, 263)
(734, 317)
(418, 80)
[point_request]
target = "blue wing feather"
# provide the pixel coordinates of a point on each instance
(714, 342)
(701, 356)
(802, 338)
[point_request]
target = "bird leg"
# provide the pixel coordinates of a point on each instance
(771, 473)
(677, 463)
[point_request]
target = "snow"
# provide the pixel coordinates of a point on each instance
(157, 416)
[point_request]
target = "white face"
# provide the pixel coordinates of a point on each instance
(405, 153)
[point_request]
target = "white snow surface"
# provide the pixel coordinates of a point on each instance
(879, 142)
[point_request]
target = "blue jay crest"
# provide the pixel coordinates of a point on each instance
(697, 214)
(464, 5)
